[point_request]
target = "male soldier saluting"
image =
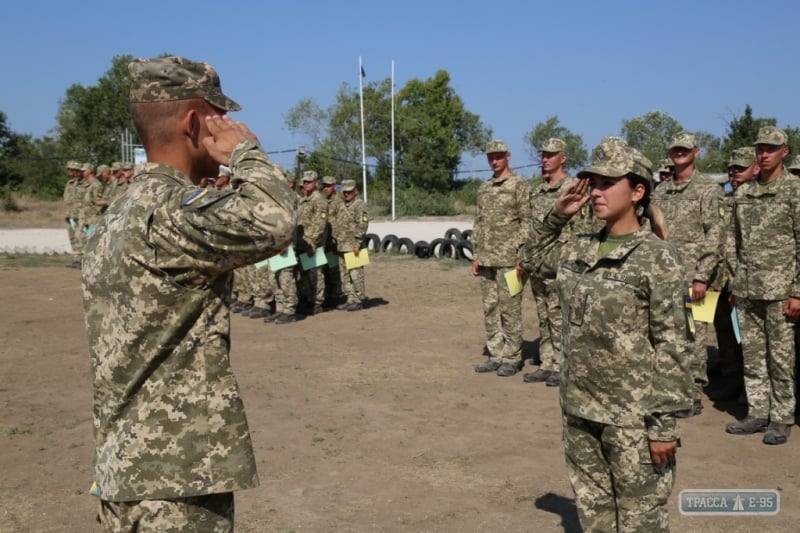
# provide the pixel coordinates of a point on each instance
(170, 433)
(690, 203)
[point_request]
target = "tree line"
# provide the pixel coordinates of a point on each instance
(433, 129)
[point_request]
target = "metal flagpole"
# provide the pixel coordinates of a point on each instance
(393, 212)
(363, 142)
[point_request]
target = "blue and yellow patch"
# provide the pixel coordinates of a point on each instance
(194, 197)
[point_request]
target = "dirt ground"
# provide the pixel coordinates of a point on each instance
(365, 421)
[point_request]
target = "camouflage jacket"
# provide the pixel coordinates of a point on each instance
(312, 216)
(350, 225)
(92, 193)
(72, 198)
(694, 224)
(503, 221)
(168, 416)
(767, 239)
(334, 204)
(625, 354)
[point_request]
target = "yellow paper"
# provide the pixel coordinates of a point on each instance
(351, 261)
(703, 310)
(515, 285)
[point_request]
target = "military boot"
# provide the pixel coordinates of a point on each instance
(747, 426)
(777, 433)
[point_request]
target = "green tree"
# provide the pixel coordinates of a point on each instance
(651, 133)
(91, 119)
(10, 177)
(577, 155)
(712, 158)
(743, 130)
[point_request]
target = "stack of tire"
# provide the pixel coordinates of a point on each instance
(456, 244)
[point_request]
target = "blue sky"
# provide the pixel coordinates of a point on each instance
(514, 63)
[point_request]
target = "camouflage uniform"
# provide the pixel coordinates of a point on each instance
(169, 422)
(72, 208)
(767, 272)
(349, 228)
(312, 216)
(625, 368)
(500, 230)
(333, 281)
(91, 212)
(695, 227)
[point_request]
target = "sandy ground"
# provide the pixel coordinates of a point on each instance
(365, 421)
(55, 241)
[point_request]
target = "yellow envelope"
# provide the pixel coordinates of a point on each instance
(514, 284)
(351, 261)
(703, 311)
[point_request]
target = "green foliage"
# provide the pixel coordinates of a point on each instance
(743, 130)
(577, 155)
(651, 133)
(92, 119)
(712, 158)
(10, 177)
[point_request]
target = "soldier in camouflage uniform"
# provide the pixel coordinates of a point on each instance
(93, 203)
(501, 228)
(625, 367)
(349, 228)
(766, 288)
(548, 308)
(72, 208)
(312, 217)
(286, 278)
(665, 170)
(170, 432)
(741, 169)
(333, 282)
(690, 203)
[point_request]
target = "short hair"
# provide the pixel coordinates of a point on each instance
(154, 121)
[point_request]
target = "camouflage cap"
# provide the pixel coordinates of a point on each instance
(795, 164)
(166, 79)
(127, 166)
(328, 180)
(614, 140)
(116, 165)
(553, 144)
(496, 146)
(683, 139)
(771, 135)
(665, 165)
(103, 168)
(310, 175)
(614, 161)
(742, 157)
(88, 167)
(348, 185)
(74, 165)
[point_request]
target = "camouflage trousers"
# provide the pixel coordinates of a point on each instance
(202, 514)
(617, 488)
(243, 284)
(263, 287)
(730, 351)
(286, 291)
(502, 314)
(312, 286)
(76, 239)
(769, 359)
(352, 281)
(699, 364)
(548, 308)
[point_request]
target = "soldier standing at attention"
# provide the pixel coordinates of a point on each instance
(625, 368)
(554, 179)
(766, 288)
(93, 203)
(333, 281)
(690, 203)
(312, 217)
(349, 229)
(665, 170)
(501, 228)
(72, 208)
(170, 433)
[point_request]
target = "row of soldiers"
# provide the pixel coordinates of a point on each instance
(328, 221)
(87, 194)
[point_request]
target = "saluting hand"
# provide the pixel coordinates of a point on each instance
(225, 135)
(575, 196)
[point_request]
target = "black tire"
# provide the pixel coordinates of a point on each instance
(465, 250)
(467, 234)
(389, 243)
(453, 233)
(435, 246)
(371, 242)
(422, 249)
(405, 246)
(448, 249)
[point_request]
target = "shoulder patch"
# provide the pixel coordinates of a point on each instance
(195, 196)
(364, 218)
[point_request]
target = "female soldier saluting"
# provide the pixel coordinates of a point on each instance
(625, 368)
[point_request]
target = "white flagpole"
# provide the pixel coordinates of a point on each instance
(363, 141)
(393, 212)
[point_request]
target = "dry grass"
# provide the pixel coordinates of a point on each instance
(33, 213)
